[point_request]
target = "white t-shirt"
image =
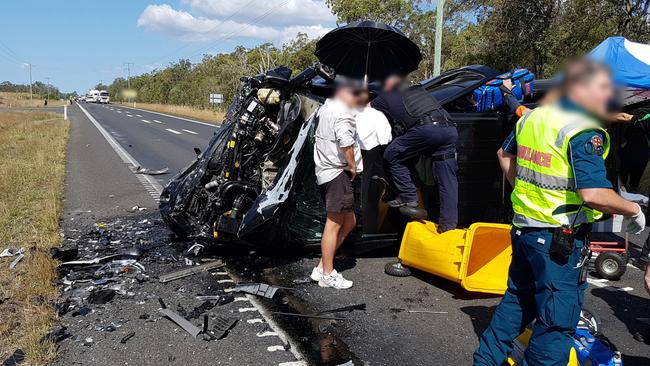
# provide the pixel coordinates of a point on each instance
(373, 128)
(336, 129)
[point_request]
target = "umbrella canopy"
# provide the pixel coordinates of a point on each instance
(368, 50)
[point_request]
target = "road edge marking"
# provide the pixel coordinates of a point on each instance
(177, 117)
(147, 181)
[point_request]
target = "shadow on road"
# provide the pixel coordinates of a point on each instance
(480, 317)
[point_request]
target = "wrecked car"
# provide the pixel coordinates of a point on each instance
(254, 183)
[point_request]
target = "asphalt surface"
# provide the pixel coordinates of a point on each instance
(385, 333)
(102, 189)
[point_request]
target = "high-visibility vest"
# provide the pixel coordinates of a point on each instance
(545, 193)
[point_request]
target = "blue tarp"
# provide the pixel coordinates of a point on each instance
(629, 61)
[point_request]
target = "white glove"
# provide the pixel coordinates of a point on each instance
(636, 223)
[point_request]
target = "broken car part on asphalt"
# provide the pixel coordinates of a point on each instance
(131, 253)
(259, 289)
(190, 271)
(192, 329)
(141, 170)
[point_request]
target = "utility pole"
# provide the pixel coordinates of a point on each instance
(31, 94)
(440, 12)
(128, 68)
(48, 88)
(128, 78)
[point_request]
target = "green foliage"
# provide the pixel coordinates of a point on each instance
(538, 34)
(38, 88)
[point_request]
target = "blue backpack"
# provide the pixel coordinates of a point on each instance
(595, 350)
(524, 83)
(489, 97)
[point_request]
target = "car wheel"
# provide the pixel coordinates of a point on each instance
(610, 266)
(397, 269)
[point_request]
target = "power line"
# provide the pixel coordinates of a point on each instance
(11, 53)
(208, 31)
(232, 34)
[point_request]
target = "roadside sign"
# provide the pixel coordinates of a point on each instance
(216, 98)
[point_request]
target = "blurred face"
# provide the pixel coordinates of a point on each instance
(392, 82)
(362, 98)
(347, 96)
(593, 95)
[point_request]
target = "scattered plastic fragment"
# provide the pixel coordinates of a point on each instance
(348, 309)
(83, 311)
(133, 253)
(101, 296)
(17, 357)
(189, 271)
(190, 328)
(141, 170)
(127, 337)
(259, 289)
(223, 325)
(195, 249)
(6, 253)
(312, 316)
(19, 256)
(136, 208)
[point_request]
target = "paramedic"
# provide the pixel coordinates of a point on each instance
(555, 161)
(421, 127)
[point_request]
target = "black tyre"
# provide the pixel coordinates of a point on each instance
(397, 269)
(610, 266)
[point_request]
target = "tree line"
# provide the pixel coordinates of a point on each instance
(537, 34)
(39, 89)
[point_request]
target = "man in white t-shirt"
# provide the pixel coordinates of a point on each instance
(338, 161)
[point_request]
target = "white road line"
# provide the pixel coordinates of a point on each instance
(169, 115)
(145, 121)
(147, 181)
(242, 298)
(129, 115)
(226, 281)
(293, 363)
(137, 115)
(267, 334)
(119, 111)
(275, 348)
(157, 121)
(254, 321)
(244, 310)
(603, 283)
(173, 131)
(190, 131)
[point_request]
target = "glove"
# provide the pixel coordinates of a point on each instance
(636, 223)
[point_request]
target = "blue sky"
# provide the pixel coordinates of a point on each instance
(77, 44)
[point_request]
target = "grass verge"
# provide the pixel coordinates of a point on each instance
(21, 100)
(32, 167)
(206, 115)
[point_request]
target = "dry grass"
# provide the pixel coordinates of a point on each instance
(21, 100)
(207, 115)
(32, 167)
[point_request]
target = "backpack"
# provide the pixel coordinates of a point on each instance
(595, 350)
(524, 83)
(489, 97)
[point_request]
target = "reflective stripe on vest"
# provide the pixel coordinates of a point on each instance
(545, 184)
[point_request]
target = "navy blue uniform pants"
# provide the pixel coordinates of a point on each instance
(427, 140)
(541, 288)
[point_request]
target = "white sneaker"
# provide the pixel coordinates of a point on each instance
(316, 274)
(334, 280)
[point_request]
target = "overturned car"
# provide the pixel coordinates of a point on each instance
(255, 184)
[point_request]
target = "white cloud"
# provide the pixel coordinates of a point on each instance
(223, 20)
(284, 12)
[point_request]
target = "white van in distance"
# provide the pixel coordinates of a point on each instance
(104, 97)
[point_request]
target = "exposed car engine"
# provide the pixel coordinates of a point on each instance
(211, 196)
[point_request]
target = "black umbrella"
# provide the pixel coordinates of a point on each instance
(368, 50)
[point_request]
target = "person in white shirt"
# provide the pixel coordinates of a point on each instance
(338, 161)
(373, 128)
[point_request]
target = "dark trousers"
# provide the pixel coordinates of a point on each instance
(540, 288)
(427, 140)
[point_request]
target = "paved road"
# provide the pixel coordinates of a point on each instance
(384, 334)
(101, 188)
